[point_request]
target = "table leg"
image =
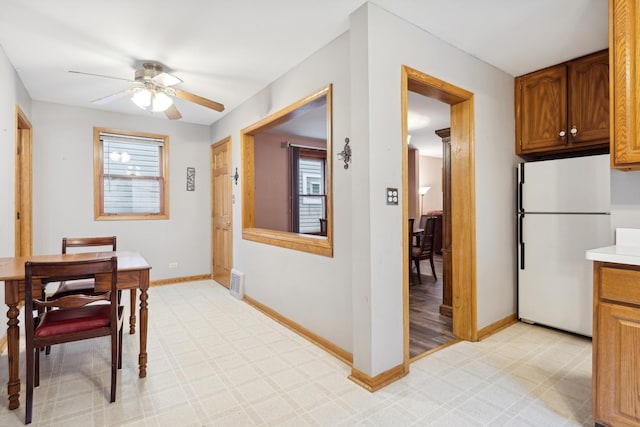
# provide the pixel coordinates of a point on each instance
(13, 347)
(132, 318)
(142, 358)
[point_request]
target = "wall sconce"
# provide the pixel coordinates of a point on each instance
(345, 154)
(235, 176)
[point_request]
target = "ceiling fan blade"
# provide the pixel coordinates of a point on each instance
(115, 96)
(166, 79)
(172, 113)
(100, 75)
(187, 96)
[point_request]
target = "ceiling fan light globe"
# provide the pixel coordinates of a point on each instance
(142, 98)
(161, 102)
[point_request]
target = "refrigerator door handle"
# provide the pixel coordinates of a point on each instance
(520, 187)
(521, 239)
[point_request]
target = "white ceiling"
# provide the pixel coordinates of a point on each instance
(229, 50)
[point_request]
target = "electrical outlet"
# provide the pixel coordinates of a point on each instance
(173, 265)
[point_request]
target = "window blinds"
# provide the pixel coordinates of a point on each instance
(131, 174)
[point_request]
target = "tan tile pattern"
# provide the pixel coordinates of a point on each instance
(215, 361)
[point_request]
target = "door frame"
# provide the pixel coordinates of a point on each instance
(225, 141)
(463, 215)
(23, 185)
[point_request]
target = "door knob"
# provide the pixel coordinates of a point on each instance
(562, 133)
(574, 130)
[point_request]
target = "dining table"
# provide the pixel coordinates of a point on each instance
(133, 273)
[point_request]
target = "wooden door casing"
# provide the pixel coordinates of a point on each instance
(222, 212)
(23, 185)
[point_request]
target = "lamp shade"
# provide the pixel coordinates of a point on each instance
(423, 190)
(156, 101)
(160, 101)
(142, 98)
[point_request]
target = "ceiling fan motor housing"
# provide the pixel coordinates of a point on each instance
(149, 71)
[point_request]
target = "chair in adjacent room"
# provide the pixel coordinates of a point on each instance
(411, 222)
(421, 225)
(425, 251)
(73, 317)
(323, 226)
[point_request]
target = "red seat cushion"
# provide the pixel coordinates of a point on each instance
(59, 322)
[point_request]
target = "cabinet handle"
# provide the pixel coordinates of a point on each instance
(574, 130)
(562, 133)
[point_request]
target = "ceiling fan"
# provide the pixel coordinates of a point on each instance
(153, 89)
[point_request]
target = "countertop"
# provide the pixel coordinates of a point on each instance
(625, 251)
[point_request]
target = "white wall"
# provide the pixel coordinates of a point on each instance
(12, 93)
(625, 199)
(392, 42)
(63, 189)
(311, 290)
(431, 176)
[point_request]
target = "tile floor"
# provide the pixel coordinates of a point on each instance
(216, 361)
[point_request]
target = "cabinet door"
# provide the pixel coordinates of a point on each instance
(616, 379)
(589, 100)
(541, 110)
(624, 30)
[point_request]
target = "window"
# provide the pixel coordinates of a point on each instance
(309, 204)
(130, 175)
(281, 205)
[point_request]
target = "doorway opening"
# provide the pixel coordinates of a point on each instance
(429, 186)
(461, 217)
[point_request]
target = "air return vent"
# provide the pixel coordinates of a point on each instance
(237, 284)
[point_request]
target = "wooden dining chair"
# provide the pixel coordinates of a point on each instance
(425, 251)
(81, 286)
(69, 287)
(73, 317)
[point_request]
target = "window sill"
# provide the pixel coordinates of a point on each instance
(318, 245)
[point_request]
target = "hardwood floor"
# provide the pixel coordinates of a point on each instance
(428, 329)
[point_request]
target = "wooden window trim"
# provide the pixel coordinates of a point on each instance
(98, 195)
(319, 245)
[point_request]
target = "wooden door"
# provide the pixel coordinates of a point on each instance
(221, 199)
(23, 221)
(624, 47)
(589, 99)
(617, 374)
(541, 110)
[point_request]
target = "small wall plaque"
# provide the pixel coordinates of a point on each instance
(191, 179)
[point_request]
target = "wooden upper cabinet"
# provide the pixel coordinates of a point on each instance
(541, 110)
(563, 108)
(624, 30)
(589, 99)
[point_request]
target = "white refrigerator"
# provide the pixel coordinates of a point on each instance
(563, 209)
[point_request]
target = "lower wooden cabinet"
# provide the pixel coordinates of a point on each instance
(616, 345)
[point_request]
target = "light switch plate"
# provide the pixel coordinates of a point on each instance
(392, 196)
